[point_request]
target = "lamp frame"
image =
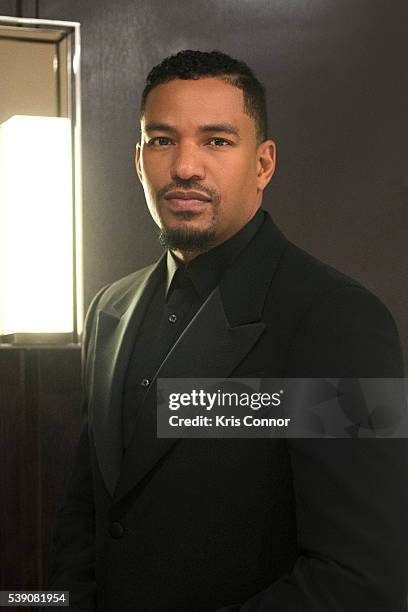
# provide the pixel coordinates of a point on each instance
(70, 32)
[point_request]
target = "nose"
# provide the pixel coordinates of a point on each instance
(187, 162)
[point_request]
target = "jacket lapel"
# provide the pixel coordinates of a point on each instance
(116, 329)
(217, 339)
(208, 348)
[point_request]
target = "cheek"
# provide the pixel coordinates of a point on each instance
(238, 176)
(149, 175)
(153, 170)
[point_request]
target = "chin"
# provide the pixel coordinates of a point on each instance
(187, 237)
(187, 220)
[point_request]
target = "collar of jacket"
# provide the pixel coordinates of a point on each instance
(216, 340)
(249, 276)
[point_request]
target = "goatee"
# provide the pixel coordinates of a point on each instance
(187, 239)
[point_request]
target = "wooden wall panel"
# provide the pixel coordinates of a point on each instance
(40, 396)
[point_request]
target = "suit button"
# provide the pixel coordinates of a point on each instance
(116, 530)
(145, 382)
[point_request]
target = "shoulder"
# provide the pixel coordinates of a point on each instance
(118, 292)
(308, 276)
(296, 280)
(122, 287)
(304, 284)
(338, 325)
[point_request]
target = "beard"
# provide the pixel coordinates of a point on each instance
(186, 238)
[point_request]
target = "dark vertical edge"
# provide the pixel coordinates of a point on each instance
(32, 357)
(21, 458)
(73, 113)
(39, 490)
(30, 476)
(19, 8)
(73, 122)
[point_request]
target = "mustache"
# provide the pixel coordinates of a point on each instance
(190, 184)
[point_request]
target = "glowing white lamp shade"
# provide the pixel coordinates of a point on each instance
(36, 226)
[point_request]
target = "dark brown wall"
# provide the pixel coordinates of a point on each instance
(338, 93)
(8, 7)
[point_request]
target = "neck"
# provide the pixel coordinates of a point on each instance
(186, 256)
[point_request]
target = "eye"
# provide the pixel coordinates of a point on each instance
(159, 141)
(219, 142)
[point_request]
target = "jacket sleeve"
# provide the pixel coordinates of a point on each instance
(72, 550)
(351, 494)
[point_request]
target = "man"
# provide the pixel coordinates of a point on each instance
(199, 525)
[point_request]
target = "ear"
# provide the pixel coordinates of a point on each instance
(266, 162)
(138, 162)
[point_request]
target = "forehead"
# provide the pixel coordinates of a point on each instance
(197, 102)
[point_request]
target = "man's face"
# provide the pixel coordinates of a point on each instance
(202, 171)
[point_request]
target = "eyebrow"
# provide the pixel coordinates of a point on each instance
(226, 128)
(159, 127)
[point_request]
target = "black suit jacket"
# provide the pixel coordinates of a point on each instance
(196, 525)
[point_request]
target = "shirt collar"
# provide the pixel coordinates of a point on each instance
(172, 265)
(206, 270)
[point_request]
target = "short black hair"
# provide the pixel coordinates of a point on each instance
(189, 64)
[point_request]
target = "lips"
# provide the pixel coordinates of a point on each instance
(190, 201)
(191, 196)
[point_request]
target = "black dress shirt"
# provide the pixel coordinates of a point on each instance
(178, 296)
